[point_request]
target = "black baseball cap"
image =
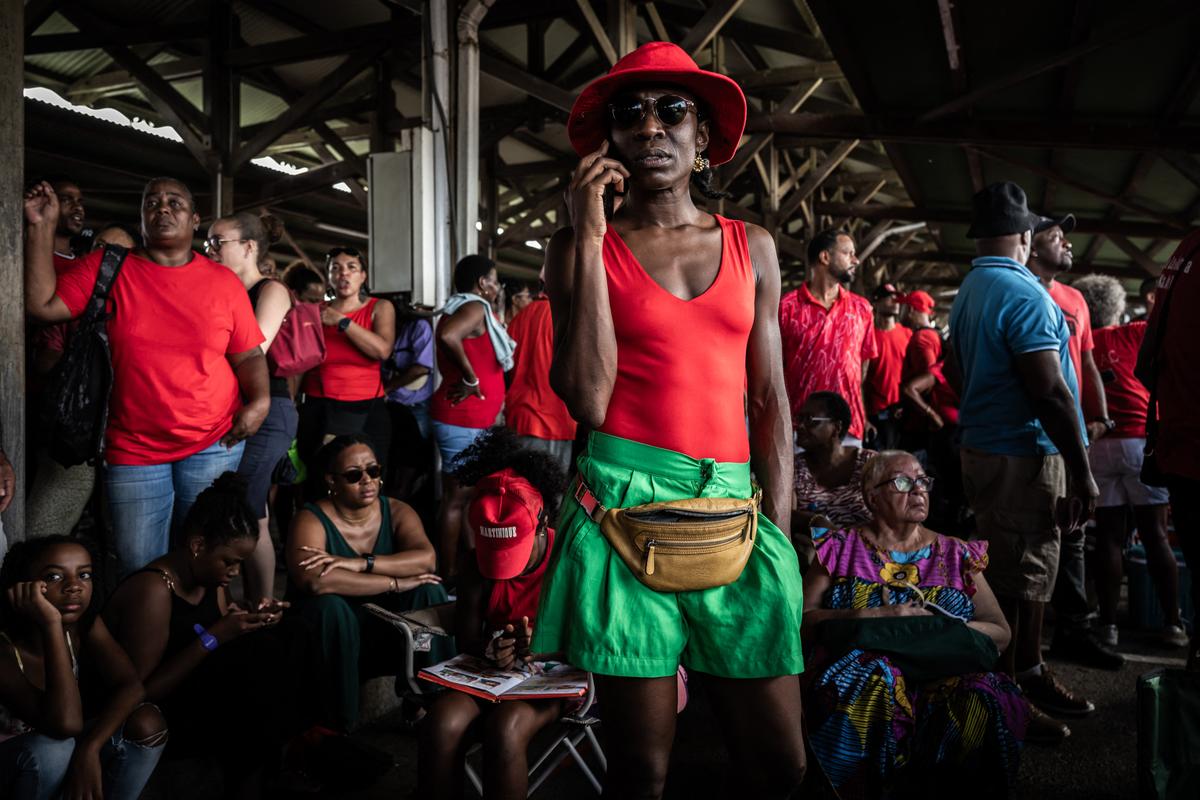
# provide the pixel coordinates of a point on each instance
(1000, 209)
(1067, 223)
(884, 290)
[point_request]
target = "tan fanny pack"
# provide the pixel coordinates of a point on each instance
(682, 545)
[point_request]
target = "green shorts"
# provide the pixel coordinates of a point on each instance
(595, 611)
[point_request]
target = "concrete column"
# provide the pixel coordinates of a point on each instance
(12, 275)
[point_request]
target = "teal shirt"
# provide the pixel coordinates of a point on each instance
(1001, 312)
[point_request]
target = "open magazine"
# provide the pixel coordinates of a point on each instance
(475, 676)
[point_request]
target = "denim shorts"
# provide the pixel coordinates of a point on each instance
(452, 440)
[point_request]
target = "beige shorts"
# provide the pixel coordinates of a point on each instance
(1014, 499)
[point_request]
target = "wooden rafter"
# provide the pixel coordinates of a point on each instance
(702, 32)
(816, 178)
(518, 78)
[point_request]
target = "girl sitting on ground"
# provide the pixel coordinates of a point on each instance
(515, 492)
(49, 635)
(227, 685)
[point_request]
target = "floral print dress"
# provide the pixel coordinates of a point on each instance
(876, 735)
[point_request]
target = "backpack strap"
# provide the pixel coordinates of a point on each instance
(110, 266)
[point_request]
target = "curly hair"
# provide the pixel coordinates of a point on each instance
(16, 568)
(1105, 298)
(221, 513)
(499, 449)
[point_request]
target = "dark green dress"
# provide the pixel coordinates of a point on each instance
(354, 644)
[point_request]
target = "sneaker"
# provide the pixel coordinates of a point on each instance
(1044, 729)
(1106, 635)
(1082, 647)
(1173, 636)
(1046, 692)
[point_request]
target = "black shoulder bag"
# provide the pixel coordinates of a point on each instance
(81, 384)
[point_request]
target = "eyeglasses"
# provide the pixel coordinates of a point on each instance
(907, 485)
(213, 243)
(355, 475)
(811, 422)
(670, 110)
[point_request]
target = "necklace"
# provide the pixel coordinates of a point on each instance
(349, 519)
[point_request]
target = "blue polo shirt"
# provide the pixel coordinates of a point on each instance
(1001, 312)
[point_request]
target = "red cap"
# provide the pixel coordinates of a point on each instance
(666, 63)
(921, 301)
(504, 513)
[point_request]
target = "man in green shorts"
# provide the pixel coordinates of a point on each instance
(666, 332)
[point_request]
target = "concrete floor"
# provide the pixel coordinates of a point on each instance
(1097, 762)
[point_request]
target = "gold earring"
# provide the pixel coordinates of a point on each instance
(700, 163)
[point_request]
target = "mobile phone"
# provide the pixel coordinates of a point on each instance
(610, 193)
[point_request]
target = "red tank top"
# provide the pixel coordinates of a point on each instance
(347, 373)
(517, 597)
(681, 365)
(472, 412)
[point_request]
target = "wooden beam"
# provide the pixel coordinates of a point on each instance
(1149, 265)
(311, 181)
(774, 37)
(1183, 163)
(755, 143)
(281, 12)
(709, 25)
(328, 86)
(569, 56)
(962, 216)
(1006, 132)
(787, 76)
(90, 89)
(532, 85)
(596, 29)
(816, 178)
(1130, 26)
(656, 22)
(13, 435)
(309, 47)
(114, 37)
(1078, 185)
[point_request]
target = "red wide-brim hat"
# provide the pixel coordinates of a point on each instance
(661, 63)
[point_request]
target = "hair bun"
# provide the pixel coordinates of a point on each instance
(273, 226)
(231, 482)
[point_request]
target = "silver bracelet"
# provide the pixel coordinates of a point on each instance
(466, 382)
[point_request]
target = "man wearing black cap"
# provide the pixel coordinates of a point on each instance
(881, 391)
(1050, 255)
(1024, 459)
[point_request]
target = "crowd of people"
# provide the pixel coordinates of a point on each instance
(647, 460)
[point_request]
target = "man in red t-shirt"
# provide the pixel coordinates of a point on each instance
(532, 410)
(882, 389)
(828, 332)
(1167, 366)
(1050, 255)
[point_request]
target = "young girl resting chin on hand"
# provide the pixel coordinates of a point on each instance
(49, 636)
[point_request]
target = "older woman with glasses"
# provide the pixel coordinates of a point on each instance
(899, 696)
(353, 547)
(345, 394)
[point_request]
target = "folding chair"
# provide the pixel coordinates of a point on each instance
(417, 628)
(571, 729)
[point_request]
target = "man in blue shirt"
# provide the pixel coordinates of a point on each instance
(1025, 465)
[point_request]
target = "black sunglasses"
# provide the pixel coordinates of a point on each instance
(629, 111)
(356, 474)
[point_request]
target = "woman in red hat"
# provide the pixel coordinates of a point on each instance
(665, 333)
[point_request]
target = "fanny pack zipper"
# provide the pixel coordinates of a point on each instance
(651, 544)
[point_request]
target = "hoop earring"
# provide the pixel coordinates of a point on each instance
(699, 164)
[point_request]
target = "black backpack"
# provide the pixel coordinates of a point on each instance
(80, 386)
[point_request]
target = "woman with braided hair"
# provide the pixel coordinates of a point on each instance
(226, 677)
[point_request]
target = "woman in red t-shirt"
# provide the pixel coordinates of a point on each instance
(189, 378)
(345, 394)
(513, 494)
(471, 393)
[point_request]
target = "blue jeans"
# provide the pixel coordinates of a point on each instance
(33, 766)
(148, 501)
